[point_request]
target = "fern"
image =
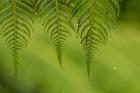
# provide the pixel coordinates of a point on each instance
(95, 21)
(55, 16)
(15, 26)
(92, 20)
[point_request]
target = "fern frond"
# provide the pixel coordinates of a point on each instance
(16, 26)
(95, 21)
(56, 23)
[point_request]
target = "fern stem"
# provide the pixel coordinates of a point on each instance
(88, 64)
(16, 66)
(59, 50)
(15, 34)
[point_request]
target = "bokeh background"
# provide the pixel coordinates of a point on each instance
(115, 67)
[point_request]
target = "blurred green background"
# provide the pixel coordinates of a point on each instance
(115, 67)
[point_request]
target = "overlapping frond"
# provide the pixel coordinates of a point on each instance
(15, 21)
(95, 21)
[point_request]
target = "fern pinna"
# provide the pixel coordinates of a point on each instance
(95, 21)
(15, 25)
